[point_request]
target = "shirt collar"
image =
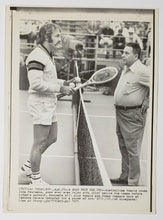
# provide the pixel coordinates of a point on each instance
(50, 54)
(135, 65)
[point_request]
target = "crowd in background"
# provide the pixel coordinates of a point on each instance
(101, 39)
(115, 34)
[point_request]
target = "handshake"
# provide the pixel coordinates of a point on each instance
(67, 88)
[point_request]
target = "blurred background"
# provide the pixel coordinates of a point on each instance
(102, 45)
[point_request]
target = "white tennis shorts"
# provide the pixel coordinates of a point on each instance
(43, 111)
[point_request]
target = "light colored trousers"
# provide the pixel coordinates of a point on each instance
(130, 128)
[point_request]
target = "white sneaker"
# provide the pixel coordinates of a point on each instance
(27, 173)
(38, 182)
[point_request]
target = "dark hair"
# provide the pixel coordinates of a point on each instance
(136, 48)
(120, 31)
(45, 32)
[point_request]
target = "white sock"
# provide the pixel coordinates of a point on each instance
(36, 176)
(26, 166)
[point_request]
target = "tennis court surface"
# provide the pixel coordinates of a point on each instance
(58, 165)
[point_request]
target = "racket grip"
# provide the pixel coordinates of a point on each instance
(60, 96)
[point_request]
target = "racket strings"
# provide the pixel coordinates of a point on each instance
(104, 75)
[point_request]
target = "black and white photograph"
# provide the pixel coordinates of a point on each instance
(47, 138)
(82, 105)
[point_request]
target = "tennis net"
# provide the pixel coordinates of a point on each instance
(89, 162)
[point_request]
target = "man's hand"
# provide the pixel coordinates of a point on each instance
(144, 109)
(145, 105)
(66, 90)
(76, 80)
(72, 82)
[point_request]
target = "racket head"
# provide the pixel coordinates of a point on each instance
(104, 75)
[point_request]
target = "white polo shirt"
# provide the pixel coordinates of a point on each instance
(133, 85)
(42, 73)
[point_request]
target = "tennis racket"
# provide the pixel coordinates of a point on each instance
(101, 76)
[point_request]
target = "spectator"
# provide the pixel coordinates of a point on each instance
(106, 30)
(118, 42)
(105, 38)
(106, 43)
(132, 37)
(149, 39)
(124, 30)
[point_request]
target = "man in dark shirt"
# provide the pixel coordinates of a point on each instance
(118, 42)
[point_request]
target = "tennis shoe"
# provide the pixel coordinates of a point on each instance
(38, 182)
(27, 172)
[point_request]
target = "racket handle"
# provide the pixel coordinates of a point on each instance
(81, 86)
(60, 96)
(75, 89)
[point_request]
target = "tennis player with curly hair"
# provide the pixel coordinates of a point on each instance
(43, 89)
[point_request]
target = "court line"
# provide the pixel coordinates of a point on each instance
(91, 116)
(49, 156)
(117, 159)
(72, 157)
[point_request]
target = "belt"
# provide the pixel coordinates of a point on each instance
(120, 107)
